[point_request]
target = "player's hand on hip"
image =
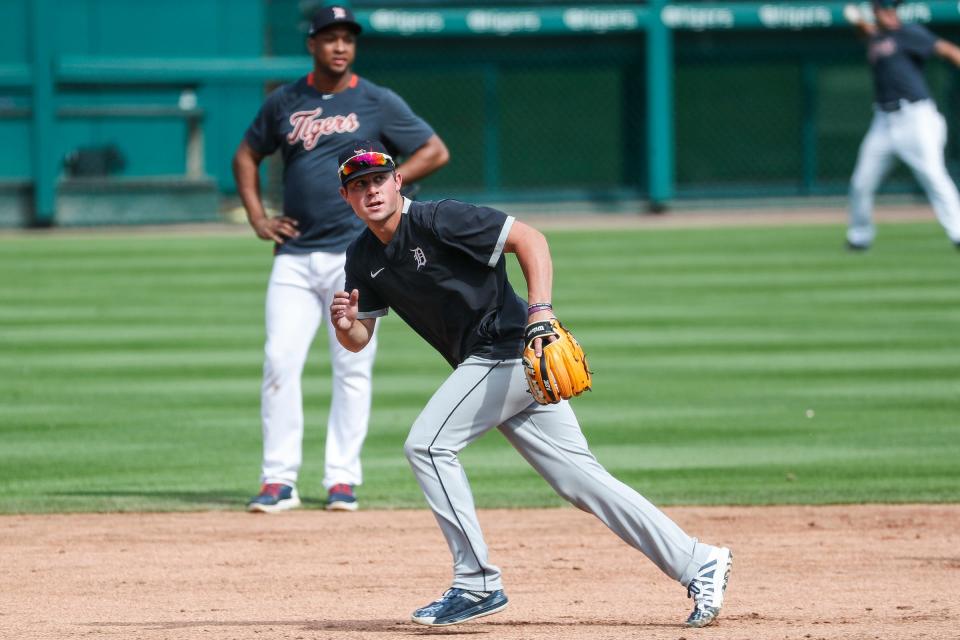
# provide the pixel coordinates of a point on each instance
(277, 229)
(344, 309)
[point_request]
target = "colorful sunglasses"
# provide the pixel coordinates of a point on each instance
(365, 160)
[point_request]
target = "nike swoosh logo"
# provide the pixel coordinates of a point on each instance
(374, 274)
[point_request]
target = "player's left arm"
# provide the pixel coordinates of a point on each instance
(948, 51)
(533, 254)
(554, 363)
(432, 155)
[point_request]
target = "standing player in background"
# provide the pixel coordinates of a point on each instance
(310, 121)
(906, 123)
(440, 266)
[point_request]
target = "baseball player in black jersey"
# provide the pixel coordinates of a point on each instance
(310, 121)
(441, 267)
(906, 123)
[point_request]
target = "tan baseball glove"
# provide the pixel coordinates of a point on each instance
(561, 372)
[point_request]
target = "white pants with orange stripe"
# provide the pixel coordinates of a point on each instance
(299, 294)
(483, 394)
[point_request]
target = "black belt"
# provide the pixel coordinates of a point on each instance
(895, 105)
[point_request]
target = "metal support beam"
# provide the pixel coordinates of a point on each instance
(43, 136)
(660, 135)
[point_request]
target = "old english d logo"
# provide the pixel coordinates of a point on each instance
(419, 257)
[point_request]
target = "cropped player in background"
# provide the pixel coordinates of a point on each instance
(906, 123)
(309, 122)
(441, 267)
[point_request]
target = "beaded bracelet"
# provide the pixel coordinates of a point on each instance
(538, 306)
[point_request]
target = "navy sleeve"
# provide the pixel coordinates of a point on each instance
(404, 130)
(917, 40)
(370, 305)
(480, 232)
(262, 134)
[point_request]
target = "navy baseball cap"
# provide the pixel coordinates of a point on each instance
(333, 16)
(887, 4)
(363, 157)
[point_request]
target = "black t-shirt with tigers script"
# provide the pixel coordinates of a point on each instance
(310, 129)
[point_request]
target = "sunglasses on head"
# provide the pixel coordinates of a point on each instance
(365, 161)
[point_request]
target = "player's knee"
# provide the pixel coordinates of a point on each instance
(415, 450)
(861, 186)
(572, 491)
(281, 360)
(420, 452)
(570, 488)
(936, 181)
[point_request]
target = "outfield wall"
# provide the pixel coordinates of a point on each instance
(622, 100)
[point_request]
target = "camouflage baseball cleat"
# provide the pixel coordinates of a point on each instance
(460, 605)
(708, 586)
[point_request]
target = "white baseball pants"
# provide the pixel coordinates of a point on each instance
(299, 294)
(484, 394)
(916, 134)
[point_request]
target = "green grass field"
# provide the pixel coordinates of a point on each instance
(732, 366)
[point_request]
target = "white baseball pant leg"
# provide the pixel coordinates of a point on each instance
(919, 136)
(350, 401)
(298, 295)
(482, 394)
(873, 163)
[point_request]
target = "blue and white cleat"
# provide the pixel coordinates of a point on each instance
(341, 498)
(274, 497)
(708, 586)
(460, 605)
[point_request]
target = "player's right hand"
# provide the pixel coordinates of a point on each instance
(277, 229)
(344, 309)
(851, 14)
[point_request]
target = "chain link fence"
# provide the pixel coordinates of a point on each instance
(781, 114)
(562, 117)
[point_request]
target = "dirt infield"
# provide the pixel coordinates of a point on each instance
(800, 573)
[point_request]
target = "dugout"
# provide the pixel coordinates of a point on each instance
(113, 112)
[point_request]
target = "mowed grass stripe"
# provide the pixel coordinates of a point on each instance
(734, 365)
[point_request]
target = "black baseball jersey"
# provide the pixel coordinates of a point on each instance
(444, 273)
(897, 58)
(311, 128)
